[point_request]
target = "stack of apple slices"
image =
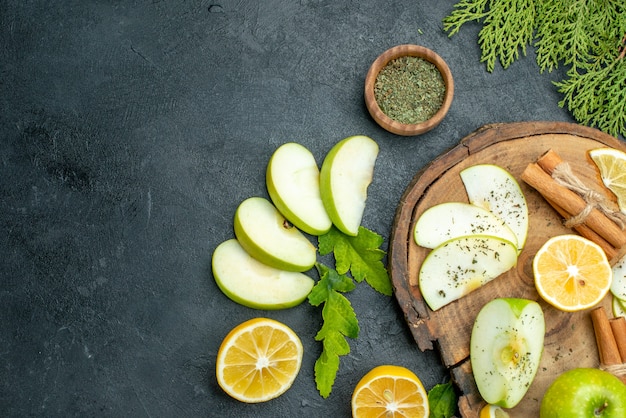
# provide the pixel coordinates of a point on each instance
(263, 266)
(472, 243)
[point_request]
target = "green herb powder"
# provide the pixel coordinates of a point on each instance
(409, 89)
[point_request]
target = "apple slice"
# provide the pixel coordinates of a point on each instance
(618, 284)
(618, 306)
(495, 189)
(267, 236)
(449, 220)
(293, 183)
(346, 173)
(251, 283)
(461, 265)
(505, 349)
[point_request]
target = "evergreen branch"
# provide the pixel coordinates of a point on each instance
(587, 35)
(507, 29)
(597, 96)
(563, 34)
(464, 11)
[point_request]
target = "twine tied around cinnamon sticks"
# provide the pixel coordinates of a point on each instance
(564, 176)
(566, 194)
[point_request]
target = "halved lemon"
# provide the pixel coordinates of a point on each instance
(390, 391)
(572, 273)
(258, 360)
(612, 166)
(493, 411)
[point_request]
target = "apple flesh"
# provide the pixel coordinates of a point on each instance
(251, 283)
(584, 393)
(461, 265)
(267, 236)
(495, 189)
(293, 183)
(445, 221)
(506, 345)
(346, 173)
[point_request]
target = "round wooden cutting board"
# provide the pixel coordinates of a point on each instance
(569, 339)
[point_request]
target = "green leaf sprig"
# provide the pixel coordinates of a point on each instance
(362, 258)
(442, 401)
(589, 36)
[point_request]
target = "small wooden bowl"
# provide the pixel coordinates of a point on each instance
(385, 121)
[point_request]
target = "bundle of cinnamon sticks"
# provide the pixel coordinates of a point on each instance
(611, 341)
(585, 218)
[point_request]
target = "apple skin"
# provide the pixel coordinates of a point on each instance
(293, 183)
(267, 236)
(346, 173)
(584, 393)
(251, 283)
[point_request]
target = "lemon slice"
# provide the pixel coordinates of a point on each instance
(612, 166)
(258, 360)
(390, 391)
(572, 273)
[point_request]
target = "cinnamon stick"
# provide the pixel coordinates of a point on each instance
(611, 252)
(573, 204)
(618, 326)
(605, 340)
(549, 161)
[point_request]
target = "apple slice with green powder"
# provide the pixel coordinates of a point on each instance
(506, 345)
(267, 236)
(495, 189)
(293, 183)
(346, 173)
(251, 283)
(461, 265)
(449, 220)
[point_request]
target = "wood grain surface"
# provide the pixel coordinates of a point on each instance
(569, 339)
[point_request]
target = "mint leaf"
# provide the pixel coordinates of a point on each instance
(326, 367)
(339, 322)
(359, 255)
(329, 280)
(442, 401)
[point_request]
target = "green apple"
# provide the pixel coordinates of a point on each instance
(461, 265)
(293, 183)
(495, 189)
(346, 173)
(267, 236)
(251, 283)
(506, 345)
(584, 393)
(618, 284)
(449, 220)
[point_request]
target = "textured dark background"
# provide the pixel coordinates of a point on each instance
(130, 131)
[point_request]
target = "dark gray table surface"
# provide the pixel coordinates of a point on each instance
(130, 131)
